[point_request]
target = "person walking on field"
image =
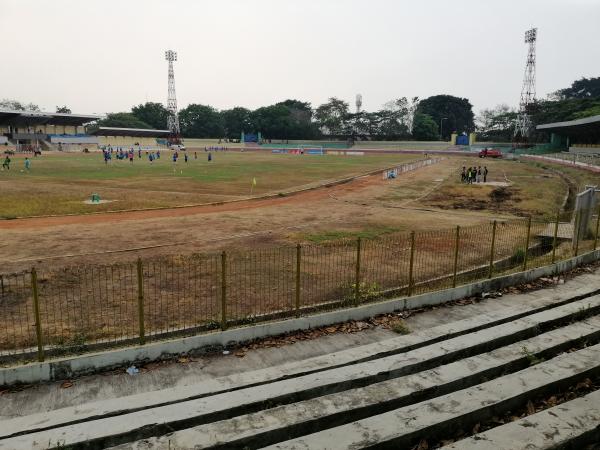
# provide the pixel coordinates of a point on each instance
(485, 174)
(6, 163)
(463, 175)
(27, 164)
(479, 174)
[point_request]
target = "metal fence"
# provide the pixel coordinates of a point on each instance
(74, 309)
(576, 159)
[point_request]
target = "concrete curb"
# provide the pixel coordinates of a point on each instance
(63, 368)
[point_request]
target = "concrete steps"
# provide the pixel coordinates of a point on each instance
(323, 395)
(282, 422)
(405, 427)
(573, 424)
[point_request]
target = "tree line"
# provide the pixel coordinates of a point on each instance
(401, 118)
(431, 118)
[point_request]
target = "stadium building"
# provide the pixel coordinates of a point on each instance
(129, 137)
(35, 130)
(581, 135)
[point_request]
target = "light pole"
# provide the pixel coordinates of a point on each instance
(441, 123)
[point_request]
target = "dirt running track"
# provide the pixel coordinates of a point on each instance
(365, 203)
(113, 217)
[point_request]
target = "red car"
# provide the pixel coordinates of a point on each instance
(490, 153)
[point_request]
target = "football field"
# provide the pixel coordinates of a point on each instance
(61, 183)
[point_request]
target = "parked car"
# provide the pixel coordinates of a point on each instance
(177, 147)
(490, 153)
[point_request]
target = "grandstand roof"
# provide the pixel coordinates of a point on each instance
(580, 130)
(31, 118)
(582, 124)
(136, 132)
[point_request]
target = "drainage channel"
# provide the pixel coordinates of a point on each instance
(560, 317)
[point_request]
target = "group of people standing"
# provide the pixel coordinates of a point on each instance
(151, 155)
(7, 161)
(474, 174)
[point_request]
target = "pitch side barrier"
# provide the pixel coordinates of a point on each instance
(409, 167)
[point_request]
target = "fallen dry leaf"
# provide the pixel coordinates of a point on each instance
(66, 384)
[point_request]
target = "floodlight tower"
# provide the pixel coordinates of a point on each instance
(173, 119)
(523, 123)
(358, 103)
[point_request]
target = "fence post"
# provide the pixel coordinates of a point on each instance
(140, 277)
(492, 250)
(525, 256)
(223, 290)
(36, 312)
(595, 236)
(577, 231)
(357, 279)
(298, 253)
(412, 263)
(456, 244)
(555, 236)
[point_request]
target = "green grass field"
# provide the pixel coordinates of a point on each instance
(59, 184)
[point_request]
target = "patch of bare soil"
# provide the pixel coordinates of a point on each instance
(501, 194)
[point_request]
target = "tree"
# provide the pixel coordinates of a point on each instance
(332, 116)
(496, 124)
(236, 120)
(201, 121)
(122, 120)
(425, 128)
(582, 88)
(17, 105)
(301, 125)
(456, 112)
(274, 122)
(63, 110)
(402, 110)
(152, 113)
(290, 119)
(546, 111)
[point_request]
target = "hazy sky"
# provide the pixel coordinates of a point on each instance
(99, 56)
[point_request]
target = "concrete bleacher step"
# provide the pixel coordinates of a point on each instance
(96, 426)
(405, 427)
(280, 423)
(573, 424)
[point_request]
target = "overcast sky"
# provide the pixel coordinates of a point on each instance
(98, 56)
